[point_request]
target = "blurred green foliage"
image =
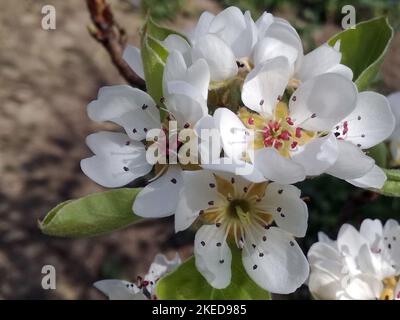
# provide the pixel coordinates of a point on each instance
(161, 9)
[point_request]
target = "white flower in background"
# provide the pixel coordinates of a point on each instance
(232, 42)
(120, 158)
(125, 290)
(261, 219)
(287, 142)
(370, 123)
(361, 265)
(276, 37)
(394, 100)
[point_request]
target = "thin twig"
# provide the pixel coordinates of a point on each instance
(113, 38)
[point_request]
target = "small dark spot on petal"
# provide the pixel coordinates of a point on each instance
(279, 209)
(264, 238)
(126, 169)
(219, 244)
(282, 215)
(134, 130)
(203, 243)
(173, 180)
(127, 143)
(212, 185)
(233, 180)
(211, 203)
(221, 261)
(261, 255)
(294, 98)
(261, 102)
(255, 267)
(291, 243)
(280, 191)
(144, 107)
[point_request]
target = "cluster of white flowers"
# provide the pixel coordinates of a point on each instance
(300, 116)
(145, 287)
(362, 265)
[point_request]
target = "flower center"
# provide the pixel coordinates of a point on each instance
(240, 212)
(238, 209)
(278, 130)
(389, 288)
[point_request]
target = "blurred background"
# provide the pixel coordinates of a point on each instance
(46, 80)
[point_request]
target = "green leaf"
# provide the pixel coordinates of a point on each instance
(380, 154)
(391, 187)
(154, 56)
(158, 32)
(92, 215)
(186, 283)
(363, 48)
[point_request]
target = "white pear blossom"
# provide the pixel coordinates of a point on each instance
(286, 141)
(361, 265)
(318, 130)
(276, 37)
(394, 100)
(370, 123)
(261, 219)
(144, 289)
(120, 158)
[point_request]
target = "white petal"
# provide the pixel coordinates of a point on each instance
(349, 240)
(199, 190)
(282, 268)
(371, 122)
(235, 137)
(160, 267)
(213, 256)
(160, 198)
(128, 107)
(278, 168)
(321, 251)
(263, 23)
(117, 161)
(265, 84)
(120, 290)
(133, 58)
(364, 287)
(394, 101)
(324, 238)
(372, 230)
(321, 60)
(318, 155)
(175, 42)
(352, 163)
(343, 70)
(375, 178)
(289, 211)
(324, 286)
(241, 168)
(280, 39)
(185, 103)
(202, 26)
(198, 74)
(230, 26)
(322, 102)
(219, 56)
(392, 247)
(390, 224)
